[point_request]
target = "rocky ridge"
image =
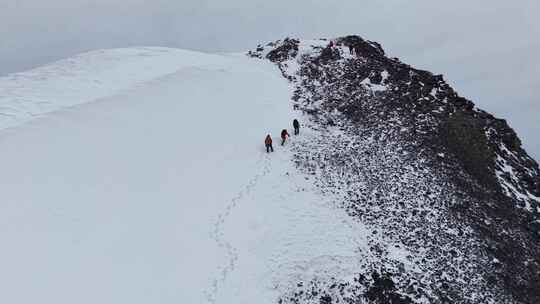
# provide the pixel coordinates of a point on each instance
(452, 198)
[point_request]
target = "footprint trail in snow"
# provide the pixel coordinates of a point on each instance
(218, 233)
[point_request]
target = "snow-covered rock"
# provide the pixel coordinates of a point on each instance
(443, 183)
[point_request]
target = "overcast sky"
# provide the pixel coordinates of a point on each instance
(489, 50)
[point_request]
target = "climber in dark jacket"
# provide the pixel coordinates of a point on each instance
(284, 135)
(296, 126)
(268, 143)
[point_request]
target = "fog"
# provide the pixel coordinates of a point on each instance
(486, 49)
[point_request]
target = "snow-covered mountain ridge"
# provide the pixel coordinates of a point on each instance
(443, 180)
(139, 175)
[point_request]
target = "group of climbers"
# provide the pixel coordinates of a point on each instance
(284, 135)
(353, 50)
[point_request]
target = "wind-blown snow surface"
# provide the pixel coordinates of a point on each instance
(144, 181)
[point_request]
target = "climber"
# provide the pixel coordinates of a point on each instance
(284, 135)
(268, 143)
(350, 49)
(296, 126)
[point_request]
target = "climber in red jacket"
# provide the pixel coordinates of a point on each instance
(284, 135)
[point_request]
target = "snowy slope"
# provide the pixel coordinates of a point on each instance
(138, 176)
(87, 77)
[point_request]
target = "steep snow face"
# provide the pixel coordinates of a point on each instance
(139, 176)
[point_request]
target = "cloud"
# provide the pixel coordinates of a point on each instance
(486, 49)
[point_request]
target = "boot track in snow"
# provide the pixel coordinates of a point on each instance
(218, 233)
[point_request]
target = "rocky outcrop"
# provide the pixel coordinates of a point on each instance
(432, 174)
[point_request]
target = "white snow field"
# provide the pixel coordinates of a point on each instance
(139, 176)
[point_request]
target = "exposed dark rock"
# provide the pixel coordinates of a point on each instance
(363, 47)
(326, 299)
(431, 173)
(464, 136)
(286, 49)
(384, 291)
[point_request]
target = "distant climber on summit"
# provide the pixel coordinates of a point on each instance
(296, 126)
(284, 135)
(268, 143)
